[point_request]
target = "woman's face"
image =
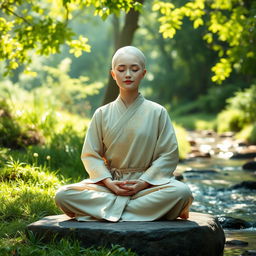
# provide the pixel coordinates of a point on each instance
(128, 71)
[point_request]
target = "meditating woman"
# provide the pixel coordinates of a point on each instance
(130, 153)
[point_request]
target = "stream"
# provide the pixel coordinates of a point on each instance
(210, 173)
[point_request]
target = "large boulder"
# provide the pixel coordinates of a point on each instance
(200, 235)
(244, 184)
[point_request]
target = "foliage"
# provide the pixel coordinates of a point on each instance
(63, 133)
(36, 113)
(240, 114)
(64, 151)
(231, 120)
(44, 26)
(248, 133)
(12, 133)
(51, 88)
(214, 100)
(184, 147)
(198, 121)
(71, 93)
(25, 173)
(230, 30)
(173, 65)
(245, 101)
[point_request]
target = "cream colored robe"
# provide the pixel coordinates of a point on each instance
(123, 143)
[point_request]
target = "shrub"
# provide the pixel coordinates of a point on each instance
(184, 146)
(240, 115)
(248, 133)
(25, 173)
(231, 120)
(245, 101)
(64, 151)
(14, 134)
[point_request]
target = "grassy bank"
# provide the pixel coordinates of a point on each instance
(26, 195)
(198, 121)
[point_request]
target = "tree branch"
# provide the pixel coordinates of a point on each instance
(15, 14)
(67, 13)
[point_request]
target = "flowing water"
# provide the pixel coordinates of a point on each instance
(210, 188)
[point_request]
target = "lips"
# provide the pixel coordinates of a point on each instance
(128, 81)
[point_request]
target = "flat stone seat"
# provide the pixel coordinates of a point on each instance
(200, 235)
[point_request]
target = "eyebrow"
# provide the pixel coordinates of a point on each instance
(133, 65)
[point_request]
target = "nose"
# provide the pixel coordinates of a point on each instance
(128, 73)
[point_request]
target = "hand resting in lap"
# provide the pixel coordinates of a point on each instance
(125, 188)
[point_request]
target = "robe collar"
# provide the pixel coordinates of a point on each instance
(126, 114)
(121, 106)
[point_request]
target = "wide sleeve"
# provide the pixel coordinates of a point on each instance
(165, 156)
(92, 152)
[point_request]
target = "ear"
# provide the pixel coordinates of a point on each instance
(144, 72)
(113, 74)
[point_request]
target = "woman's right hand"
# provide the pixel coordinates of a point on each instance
(115, 186)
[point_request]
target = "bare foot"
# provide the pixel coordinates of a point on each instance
(184, 215)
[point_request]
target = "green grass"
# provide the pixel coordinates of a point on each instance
(26, 195)
(199, 121)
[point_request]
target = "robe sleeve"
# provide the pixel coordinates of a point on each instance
(165, 156)
(92, 152)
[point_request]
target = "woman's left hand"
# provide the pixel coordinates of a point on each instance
(134, 185)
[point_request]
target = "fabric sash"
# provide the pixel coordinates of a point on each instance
(114, 133)
(117, 173)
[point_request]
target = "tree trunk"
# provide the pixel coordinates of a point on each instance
(125, 38)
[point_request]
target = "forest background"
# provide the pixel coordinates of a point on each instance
(56, 58)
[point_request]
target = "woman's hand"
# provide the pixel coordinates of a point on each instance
(134, 186)
(125, 188)
(117, 187)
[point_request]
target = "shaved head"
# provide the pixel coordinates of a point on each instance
(130, 50)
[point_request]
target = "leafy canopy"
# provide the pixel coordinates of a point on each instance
(43, 26)
(230, 27)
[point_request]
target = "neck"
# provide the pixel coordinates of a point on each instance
(128, 97)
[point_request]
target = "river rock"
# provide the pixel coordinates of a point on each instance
(197, 174)
(200, 171)
(227, 134)
(199, 155)
(246, 153)
(242, 143)
(233, 223)
(207, 133)
(178, 176)
(200, 235)
(244, 184)
(250, 166)
(249, 253)
(191, 142)
(236, 243)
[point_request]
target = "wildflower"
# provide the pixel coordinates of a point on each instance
(48, 158)
(35, 155)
